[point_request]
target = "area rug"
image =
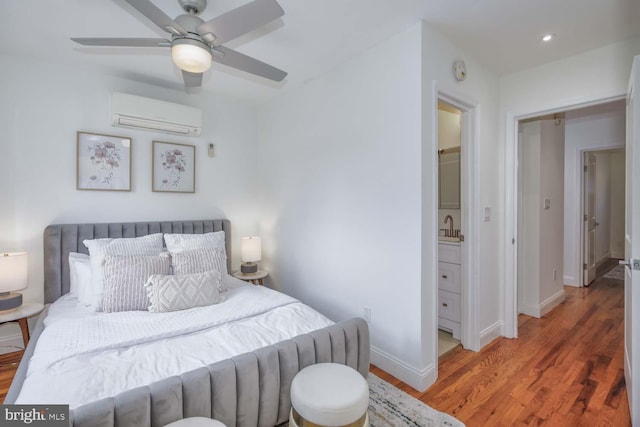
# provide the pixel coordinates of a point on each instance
(616, 273)
(391, 407)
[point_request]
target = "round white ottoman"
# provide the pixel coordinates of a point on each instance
(196, 422)
(329, 394)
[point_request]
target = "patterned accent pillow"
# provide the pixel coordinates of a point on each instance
(200, 261)
(99, 248)
(172, 293)
(124, 279)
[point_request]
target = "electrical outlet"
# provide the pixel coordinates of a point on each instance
(367, 314)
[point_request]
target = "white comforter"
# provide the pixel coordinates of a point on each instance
(83, 356)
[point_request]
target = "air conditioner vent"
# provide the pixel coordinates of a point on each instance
(154, 115)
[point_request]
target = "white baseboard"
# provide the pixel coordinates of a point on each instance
(603, 258)
(530, 310)
(420, 379)
(551, 302)
(571, 281)
(11, 343)
(545, 306)
(617, 255)
(491, 333)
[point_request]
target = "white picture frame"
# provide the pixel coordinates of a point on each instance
(103, 162)
(173, 167)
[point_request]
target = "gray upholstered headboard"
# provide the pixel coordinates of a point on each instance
(60, 239)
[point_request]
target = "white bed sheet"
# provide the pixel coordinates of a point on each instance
(118, 358)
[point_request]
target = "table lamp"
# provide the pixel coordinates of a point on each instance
(13, 277)
(250, 253)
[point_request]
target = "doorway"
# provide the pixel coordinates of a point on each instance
(461, 229)
(603, 204)
(449, 227)
(592, 127)
(541, 149)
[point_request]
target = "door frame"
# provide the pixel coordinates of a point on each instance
(584, 237)
(469, 224)
(632, 247)
(511, 203)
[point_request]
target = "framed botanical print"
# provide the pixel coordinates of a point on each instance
(103, 162)
(173, 167)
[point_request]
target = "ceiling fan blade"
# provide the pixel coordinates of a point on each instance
(125, 42)
(157, 16)
(241, 20)
(192, 79)
(235, 59)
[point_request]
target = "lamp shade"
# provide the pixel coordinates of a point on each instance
(13, 271)
(191, 55)
(250, 249)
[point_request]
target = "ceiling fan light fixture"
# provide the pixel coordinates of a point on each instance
(191, 55)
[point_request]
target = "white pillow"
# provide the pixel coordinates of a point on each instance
(179, 292)
(124, 279)
(187, 242)
(99, 248)
(79, 277)
(200, 261)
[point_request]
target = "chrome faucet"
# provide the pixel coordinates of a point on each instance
(450, 230)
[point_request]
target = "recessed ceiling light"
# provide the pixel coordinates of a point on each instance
(548, 37)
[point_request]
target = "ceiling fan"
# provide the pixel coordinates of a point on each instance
(195, 43)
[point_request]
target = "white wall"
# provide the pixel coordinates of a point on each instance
(340, 163)
(551, 219)
(540, 243)
(617, 203)
(479, 88)
(603, 210)
(592, 128)
(448, 129)
(41, 109)
(529, 241)
(589, 77)
(350, 191)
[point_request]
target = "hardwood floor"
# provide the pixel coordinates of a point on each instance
(8, 366)
(566, 369)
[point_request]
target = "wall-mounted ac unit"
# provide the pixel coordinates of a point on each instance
(154, 115)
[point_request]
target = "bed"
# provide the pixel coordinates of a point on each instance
(248, 388)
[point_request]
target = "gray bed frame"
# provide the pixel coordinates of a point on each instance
(248, 390)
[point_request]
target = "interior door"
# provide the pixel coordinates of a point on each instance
(589, 197)
(632, 247)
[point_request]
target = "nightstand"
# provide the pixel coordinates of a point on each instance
(20, 315)
(255, 278)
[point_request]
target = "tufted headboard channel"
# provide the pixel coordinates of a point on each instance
(60, 239)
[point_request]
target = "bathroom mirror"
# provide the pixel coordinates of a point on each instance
(449, 178)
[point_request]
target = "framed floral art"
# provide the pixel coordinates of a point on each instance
(173, 168)
(103, 162)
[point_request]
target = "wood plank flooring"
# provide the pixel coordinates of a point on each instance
(566, 369)
(8, 366)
